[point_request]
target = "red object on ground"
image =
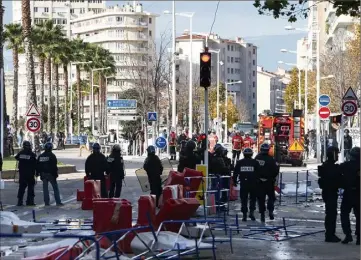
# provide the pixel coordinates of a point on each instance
(80, 195)
(73, 252)
(91, 191)
(146, 205)
(233, 193)
(175, 178)
(192, 184)
(168, 194)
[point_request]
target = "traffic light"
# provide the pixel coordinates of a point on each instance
(205, 69)
(336, 119)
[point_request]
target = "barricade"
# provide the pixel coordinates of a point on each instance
(91, 191)
(146, 210)
(80, 194)
(171, 192)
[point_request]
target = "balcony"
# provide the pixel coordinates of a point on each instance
(329, 11)
(82, 27)
(342, 21)
(129, 50)
(115, 38)
(130, 63)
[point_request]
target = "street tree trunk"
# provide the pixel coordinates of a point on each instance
(15, 87)
(42, 76)
(66, 90)
(56, 85)
(48, 77)
(79, 96)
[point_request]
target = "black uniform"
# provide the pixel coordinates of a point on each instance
(116, 172)
(154, 168)
(27, 172)
(268, 173)
(246, 171)
(188, 160)
(217, 168)
(351, 195)
(95, 167)
(347, 146)
(329, 181)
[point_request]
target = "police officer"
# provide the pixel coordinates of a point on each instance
(27, 172)
(154, 168)
(116, 171)
(351, 194)
(188, 159)
(347, 140)
(268, 173)
(95, 167)
(246, 171)
(329, 181)
(48, 170)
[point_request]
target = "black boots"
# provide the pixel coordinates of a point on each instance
(244, 217)
(332, 239)
(347, 239)
(358, 240)
(251, 216)
(20, 203)
(271, 216)
(30, 202)
(263, 218)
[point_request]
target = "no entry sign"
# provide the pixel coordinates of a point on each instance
(324, 112)
(349, 108)
(33, 124)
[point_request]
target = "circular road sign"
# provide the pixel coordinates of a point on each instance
(160, 142)
(324, 100)
(324, 112)
(33, 124)
(349, 108)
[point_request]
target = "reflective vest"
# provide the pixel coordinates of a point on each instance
(248, 142)
(172, 139)
(237, 143)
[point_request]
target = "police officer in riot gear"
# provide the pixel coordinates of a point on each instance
(95, 167)
(268, 173)
(48, 170)
(329, 181)
(189, 159)
(116, 171)
(27, 172)
(154, 168)
(351, 195)
(246, 171)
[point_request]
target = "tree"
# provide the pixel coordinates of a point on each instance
(294, 10)
(291, 92)
(14, 38)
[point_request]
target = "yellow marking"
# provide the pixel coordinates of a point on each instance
(296, 147)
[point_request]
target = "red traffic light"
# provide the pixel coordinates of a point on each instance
(205, 57)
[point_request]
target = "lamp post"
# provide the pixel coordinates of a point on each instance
(218, 64)
(299, 80)
(226, 109)
(92, 97)
(190, 16)
(106, 102)
(71, 95)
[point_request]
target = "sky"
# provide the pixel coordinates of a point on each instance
(234, 18)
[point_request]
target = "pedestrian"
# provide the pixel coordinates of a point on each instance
(347, 140)
(172, 145)
(246, 171)
(27, 173)
(116, 171)
(329, 181)
(237, 143)
(268, 173)
(213, 140)
(154, 169)
(96, 166)
(61, 138)
(10, 140)
(189, 159)
(47, 169)
(225, 180)
(351, 195)
(82, 144)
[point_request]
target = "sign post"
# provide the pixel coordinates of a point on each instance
(324, 112)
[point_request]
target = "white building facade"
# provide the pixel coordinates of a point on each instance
(238, 63)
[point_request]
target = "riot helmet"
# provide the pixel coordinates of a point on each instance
(96, 147)
(151, 149)
(248, 152)
(116, 148)
(218, 149)
(190, 145)
(265, 148)
(26, 145)
(48, 147)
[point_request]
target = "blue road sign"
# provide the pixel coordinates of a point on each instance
(160, 142)
(324, 100)
(122, 103)
(152, 116)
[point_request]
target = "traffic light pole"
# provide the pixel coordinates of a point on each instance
(206, 125)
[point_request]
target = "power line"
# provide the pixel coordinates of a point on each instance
(214, 18)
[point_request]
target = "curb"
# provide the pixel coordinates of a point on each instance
(62, 169)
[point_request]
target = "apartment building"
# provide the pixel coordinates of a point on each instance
(128, 32)
(61, 12)
(238, 62)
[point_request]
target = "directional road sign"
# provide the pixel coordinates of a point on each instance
(32, 111)
(33, 124)
(160, 142)
(324, 100)
(122, 103)
(152, 116)
(324, 112)
(349, 108)
(350, 95)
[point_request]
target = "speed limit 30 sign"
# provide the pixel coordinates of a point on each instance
(349, 108)
(33, 124)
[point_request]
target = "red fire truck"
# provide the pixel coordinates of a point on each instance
(285, 134)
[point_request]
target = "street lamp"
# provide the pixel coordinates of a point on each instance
(92, 97)
(71, 95)
(190, 16)
(106, 101)
(219, 63)
(226, 109)
(299, 79)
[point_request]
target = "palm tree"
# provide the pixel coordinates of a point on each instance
(14, 38)
(56, 53)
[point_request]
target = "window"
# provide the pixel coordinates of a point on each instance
(254, 62)
(254, 73)
(253, 105)
(46, 9)
(237, 60)
(119, 19)
(228, 47)
(177, 67)
(177, 80)
(254, 50)
(231, 59)
(35, 9)
(232, 48)
(71, 10)
(232, 71)
(228, 70)
(254, 95)
(150, 20)
(254, 84)
(228, 59)
(254, 118)
(150, 33)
